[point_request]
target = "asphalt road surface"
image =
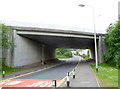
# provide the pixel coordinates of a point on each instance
(55, 73)
(43, 78)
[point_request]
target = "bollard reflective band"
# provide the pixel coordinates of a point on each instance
(68, 74)
(68, 78)
(73, 73)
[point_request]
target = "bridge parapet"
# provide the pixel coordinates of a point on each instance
(36, 29)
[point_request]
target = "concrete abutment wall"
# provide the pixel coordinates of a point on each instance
(27, 51)
(101, 50)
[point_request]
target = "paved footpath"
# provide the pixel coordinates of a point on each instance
(84, 76)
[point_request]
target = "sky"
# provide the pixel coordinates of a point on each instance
(60, 14)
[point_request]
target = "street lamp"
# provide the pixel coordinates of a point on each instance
(96, 58)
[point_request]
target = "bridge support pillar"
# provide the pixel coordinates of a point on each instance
(42, 59)
(92, 53)
(100, 53)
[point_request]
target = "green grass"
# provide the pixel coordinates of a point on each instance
(61, 56)
(87, 57)
(107, 76)
(9, 70)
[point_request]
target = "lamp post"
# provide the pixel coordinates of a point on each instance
(96, 58)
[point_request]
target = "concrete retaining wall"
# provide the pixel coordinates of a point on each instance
(28, 51)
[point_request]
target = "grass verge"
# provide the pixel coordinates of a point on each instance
(107, 76)
(61, 56)
(9, 70)
(87, 57)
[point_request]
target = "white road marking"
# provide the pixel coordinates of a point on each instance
(14, 82)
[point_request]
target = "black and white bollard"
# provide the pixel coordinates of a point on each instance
(68, 80)
(54, 84)
(74, 74)
(3, 73)
(42, 62)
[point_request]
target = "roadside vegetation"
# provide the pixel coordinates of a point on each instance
(9, 70)
(86, 56)
(63, 53)
(61, 56)
(0, 47)
(107, 76)
(108, 71)
(112, 40)
(67, 53)
(5, 44)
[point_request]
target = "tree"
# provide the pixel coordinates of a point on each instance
(5, 41)
(64, 52)
(0, 46)
(77, 52)
(68, 54)
(112, 40)
(88, 53)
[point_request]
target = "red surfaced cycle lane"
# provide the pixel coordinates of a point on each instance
(27, 83)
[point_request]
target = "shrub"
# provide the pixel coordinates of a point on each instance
(112, 40)
(64, 52)
(68, 54)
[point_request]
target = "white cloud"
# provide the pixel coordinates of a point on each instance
(60, 12)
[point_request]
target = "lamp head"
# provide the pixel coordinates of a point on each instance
(81, 5)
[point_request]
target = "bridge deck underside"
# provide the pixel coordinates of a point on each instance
(63, 42)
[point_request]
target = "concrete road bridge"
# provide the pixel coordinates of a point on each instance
(34, 44)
